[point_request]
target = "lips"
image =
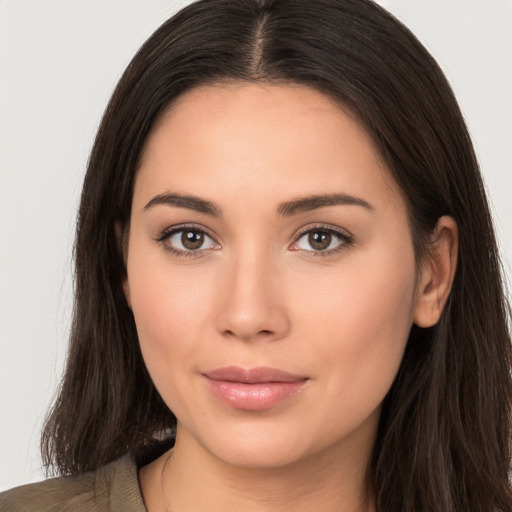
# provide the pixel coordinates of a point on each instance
(253, 389)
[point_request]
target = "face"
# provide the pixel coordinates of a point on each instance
(271, 273)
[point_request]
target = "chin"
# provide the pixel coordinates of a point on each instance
(258, 456)
(254, 448)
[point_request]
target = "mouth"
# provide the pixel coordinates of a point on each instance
(253, 389)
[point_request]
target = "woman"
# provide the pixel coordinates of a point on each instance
(288, 294)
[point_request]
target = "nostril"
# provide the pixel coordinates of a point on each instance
(241, 335)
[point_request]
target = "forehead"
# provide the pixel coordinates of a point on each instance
(259, 141)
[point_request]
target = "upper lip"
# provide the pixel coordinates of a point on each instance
(260, 374)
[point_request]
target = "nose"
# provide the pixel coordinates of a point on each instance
(251, 303)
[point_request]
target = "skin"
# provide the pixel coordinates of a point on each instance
(257, 294)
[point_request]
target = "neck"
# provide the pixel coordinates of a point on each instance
(193, 480)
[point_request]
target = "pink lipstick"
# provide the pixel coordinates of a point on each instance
(253, 389)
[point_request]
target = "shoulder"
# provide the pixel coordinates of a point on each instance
(111, 487)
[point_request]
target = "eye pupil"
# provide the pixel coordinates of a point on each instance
(319, 240)
(192, 240)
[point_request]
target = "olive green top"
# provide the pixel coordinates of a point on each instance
(114, 487)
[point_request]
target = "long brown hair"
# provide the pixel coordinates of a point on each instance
(444, 441)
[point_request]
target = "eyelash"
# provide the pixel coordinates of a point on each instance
(346, 240)
(166, 235)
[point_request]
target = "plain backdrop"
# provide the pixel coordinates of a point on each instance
(59, 62)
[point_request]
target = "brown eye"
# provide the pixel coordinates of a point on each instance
(187, 240)
(192, 240)
(319, 240)
(324, 241)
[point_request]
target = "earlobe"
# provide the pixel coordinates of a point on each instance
(126, 290)
(437, 273)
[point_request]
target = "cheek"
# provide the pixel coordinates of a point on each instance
(171, 309)
(360, 317)
(171, 318)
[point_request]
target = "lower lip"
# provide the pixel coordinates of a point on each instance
(254, 397)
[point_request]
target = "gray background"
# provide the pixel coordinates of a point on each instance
(59, 62)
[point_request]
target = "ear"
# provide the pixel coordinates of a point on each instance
(126, 290)
(437, 273)
(122, 246)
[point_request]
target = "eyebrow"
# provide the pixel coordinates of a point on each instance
(185, 201)
(320, 201)
(286, 209)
